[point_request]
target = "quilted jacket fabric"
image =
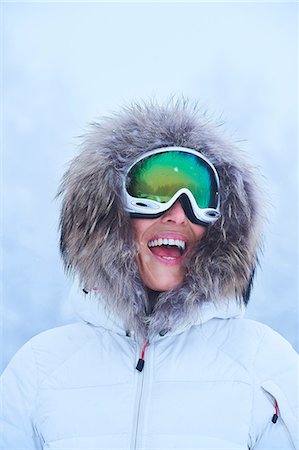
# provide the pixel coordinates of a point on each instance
(212, 385)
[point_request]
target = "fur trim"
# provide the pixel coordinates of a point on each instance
(97, 243)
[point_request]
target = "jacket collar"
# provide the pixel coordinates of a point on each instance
(89, 309)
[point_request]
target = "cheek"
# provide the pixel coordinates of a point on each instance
(199, 231)
(140, 227)
(145, 269)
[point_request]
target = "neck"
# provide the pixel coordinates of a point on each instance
(152, 299)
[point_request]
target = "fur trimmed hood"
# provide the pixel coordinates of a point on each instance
(97, 242)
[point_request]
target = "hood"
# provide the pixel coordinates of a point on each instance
(97, 242)
(90, 310)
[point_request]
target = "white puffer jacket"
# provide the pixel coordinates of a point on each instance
(212, 385)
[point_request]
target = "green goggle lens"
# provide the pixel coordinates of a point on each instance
(159, 176)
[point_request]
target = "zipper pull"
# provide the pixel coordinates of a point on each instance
(275, 416)
(140, 363)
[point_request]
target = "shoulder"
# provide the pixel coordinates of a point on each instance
(53, 347)
(251, 343)
(267, 356)
(46, 351)
(271, 363)
(66, 338)
(271, 349)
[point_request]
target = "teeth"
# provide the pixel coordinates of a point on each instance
(160, 241)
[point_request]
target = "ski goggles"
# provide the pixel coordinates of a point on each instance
(162, 176)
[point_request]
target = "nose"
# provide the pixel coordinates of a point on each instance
(175, 215)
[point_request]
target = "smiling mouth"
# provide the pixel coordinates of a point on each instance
(168, 249)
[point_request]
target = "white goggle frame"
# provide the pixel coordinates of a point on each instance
(147, 207)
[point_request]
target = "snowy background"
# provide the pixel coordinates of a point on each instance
(66, 64)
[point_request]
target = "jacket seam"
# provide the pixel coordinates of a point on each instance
(86, 435)
(254, 380)
(33, 409)
(256, 383)
(29, 410)
(47, 375)
(84, 387)
(291, 407)
(258, 348)
(65, 360)
(227, 354)
(204, 381)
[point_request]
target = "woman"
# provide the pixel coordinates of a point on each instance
(160, 223)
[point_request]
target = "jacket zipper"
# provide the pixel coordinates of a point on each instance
(139, 395)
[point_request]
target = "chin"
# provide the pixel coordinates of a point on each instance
(160, 277)
(163, 285)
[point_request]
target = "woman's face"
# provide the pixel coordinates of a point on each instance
(163, 246)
